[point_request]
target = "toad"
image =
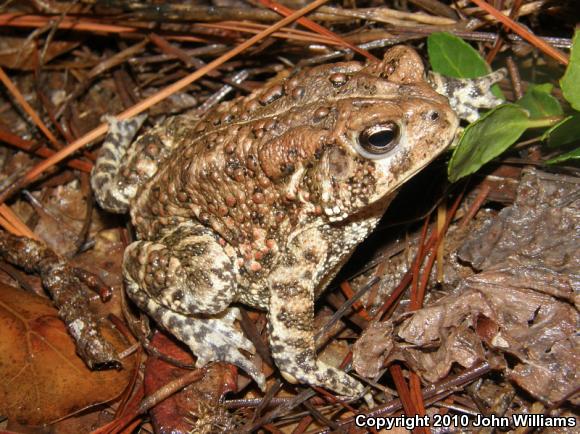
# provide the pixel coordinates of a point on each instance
(263, 199)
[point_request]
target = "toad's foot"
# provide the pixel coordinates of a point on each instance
(467, 95)
(125, 164)
(319, 374)
(210, 338)
(105, 174)
(216, 338)
(293, 349)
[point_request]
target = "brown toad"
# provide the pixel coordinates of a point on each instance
(265, 198)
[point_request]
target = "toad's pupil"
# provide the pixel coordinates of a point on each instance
(381, 139)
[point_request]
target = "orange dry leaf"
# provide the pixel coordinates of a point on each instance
(42, 379)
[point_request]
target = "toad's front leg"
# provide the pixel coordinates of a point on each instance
(185, 281)
(291, 317)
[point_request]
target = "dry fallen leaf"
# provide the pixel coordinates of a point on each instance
(42, 379)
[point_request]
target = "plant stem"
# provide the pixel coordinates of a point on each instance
(546, 122)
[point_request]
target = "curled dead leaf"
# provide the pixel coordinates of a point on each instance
(42, 379)
(372, 349)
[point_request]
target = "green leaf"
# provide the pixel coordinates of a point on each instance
(487, 138)
(570, 82)
(539, 102)
(572, 155)
(564, 132)
(453, 57)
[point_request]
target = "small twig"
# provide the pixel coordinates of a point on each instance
(515, 77)
(286, 33)
(21, 278)
(270, 394)
(441, 218)
(251, 331)
(415, 303)
(475, 206)
(417, 394)
(14, 224)
(405, 395)
(130, 350)
(357, 305)
(155, 352)
(438, 389)
(436, 8)
(216, 97)
(439, 237)
(321, 418)
(396, 293)
(524, 33)
(72, 23)
(304, 423)
(103, 66)
(256, 402)
(34, 148)
(390, 16)
(169, 389)
(27, 108)
(68, 293)
(513, 15)
(346, 306)
(333, 400)
(7, 225)
(285, 11)
(281, 410)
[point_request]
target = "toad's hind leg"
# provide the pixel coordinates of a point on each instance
(185, 281)
(124, 165)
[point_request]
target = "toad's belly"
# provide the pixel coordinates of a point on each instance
(256, 293)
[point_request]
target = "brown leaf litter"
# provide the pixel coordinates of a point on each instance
(521, 305)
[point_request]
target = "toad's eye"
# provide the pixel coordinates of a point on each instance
(379, 139)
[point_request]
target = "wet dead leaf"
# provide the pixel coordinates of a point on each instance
(373, 347)
(523, 305)
(459, 345)
(540, 331)
(41, 377)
